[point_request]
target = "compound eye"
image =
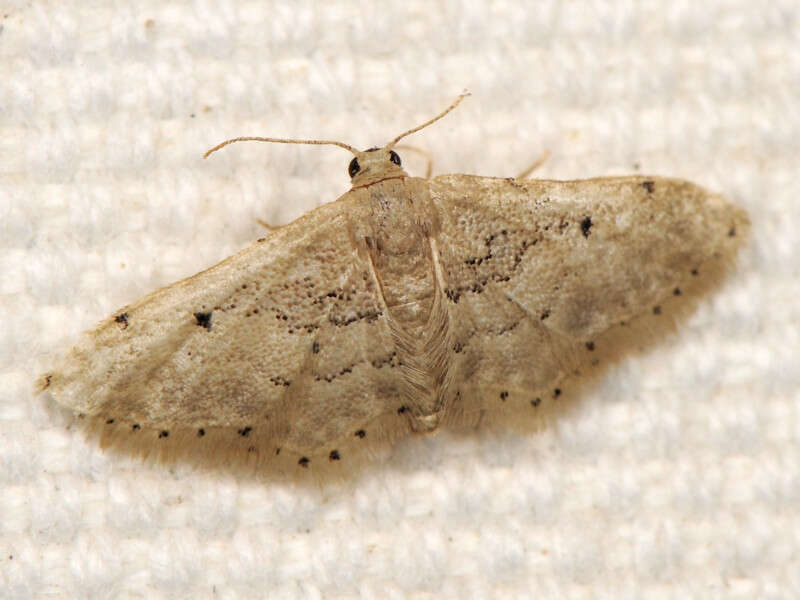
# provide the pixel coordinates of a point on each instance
(394, 157)
(353, 168)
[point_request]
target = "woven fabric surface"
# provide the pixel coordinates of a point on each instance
(677, 476)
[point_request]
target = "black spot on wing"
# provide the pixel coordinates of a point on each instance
(203, 319)
(452, 295)
(586, 225)
(649, 185)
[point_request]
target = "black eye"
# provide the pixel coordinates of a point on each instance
(394, 157)
(353, 168)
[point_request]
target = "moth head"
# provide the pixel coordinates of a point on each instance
(373, 165)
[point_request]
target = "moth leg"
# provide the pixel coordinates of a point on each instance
(268, 227)
(428, 158)
(536, 164)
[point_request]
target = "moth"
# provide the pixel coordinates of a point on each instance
(407, 304)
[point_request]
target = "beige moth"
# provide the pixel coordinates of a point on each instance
(405, 305)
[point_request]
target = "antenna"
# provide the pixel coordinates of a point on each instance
(389, 146)
(280, 141)
(463, 95)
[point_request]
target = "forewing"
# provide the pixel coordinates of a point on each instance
(283, 344)
(537, 271)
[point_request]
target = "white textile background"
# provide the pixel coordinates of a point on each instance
(678, 476)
